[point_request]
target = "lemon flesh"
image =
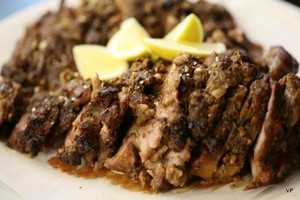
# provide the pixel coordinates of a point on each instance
(94, 59)
(188, 30)
(127, 43)
(168, 50)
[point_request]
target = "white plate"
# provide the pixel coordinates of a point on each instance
(268, 22)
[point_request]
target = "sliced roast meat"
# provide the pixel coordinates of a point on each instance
(280, 62)
(158, 131)
(176, 143)
(74, 94)
(213, 109)
(150, 145)
(41, 55)
(126, 160)
(82, 140)
(160, 146)
(49, 116)
(276, 150)
(139, 93)
(214, 146)
(67, 114)
(110, 134)
(94, 135)
(30, 133)
(271, 131)
(83, 137)
(163, 142)
(11, 107)
(160, 123)
(143, 82)
(291, 97)
(244, 129)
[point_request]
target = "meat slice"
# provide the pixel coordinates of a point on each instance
(74, 94)
(163, 143)
(67, 114)
(10, 105)
(110, 134)
(142, 81)
(167, 149)
(156, 144)
(203, 112)
(245, 126)
(214, 108)
(30, 133)
(276, 150)
(95, 129)
(207, 165)
(82, 140)
(126, 160)
(280, 62)
(49, 116)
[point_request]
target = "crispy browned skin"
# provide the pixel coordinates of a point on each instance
(10, 105)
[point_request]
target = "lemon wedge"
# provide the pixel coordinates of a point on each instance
(127, 43)
(188, 30)
(95, 59)
(217, 47)
(168, 50)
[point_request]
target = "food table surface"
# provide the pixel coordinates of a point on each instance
(8, 7)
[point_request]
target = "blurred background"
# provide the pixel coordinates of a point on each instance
(296, 2)
(8, 7)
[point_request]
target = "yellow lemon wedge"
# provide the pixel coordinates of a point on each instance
(188, 30)
(95, 59)
(127, 43)
(217, 47)
(168, 50)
